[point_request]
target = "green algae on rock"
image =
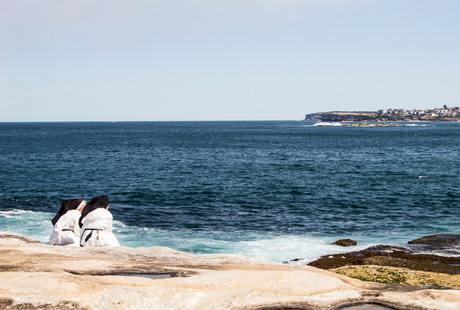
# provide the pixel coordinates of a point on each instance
(395, 275)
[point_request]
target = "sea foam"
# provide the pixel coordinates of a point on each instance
(263, 245)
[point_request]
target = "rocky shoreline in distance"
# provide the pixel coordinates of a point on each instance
(371, 116)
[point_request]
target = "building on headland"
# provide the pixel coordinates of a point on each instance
(438, 114)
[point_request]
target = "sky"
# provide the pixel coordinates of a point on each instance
(160, 60)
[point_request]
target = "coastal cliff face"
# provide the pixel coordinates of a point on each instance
(39, 276)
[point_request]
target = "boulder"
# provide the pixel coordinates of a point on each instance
(345, 242)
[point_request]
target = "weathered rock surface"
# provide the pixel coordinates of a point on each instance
(39, 276)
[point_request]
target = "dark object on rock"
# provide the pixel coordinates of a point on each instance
(440, 240)
(385, 255)
(345, 242)
(443, 244)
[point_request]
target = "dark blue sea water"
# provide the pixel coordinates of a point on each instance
(276, 190)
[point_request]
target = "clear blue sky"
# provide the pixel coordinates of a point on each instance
(162, 60)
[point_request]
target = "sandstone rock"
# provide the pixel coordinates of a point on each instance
(39, 276)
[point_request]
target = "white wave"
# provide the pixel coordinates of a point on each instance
(16, 213)
(262, 245)
(118, 223)
(286, 248)
(29, 223)
(416, 125)
(327, 124)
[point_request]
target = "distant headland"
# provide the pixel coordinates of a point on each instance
(395, 115)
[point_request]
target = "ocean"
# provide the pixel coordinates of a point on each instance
(276, 190)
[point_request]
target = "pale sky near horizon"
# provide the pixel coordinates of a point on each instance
(159, 60)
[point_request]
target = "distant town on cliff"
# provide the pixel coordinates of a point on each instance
(431, 115)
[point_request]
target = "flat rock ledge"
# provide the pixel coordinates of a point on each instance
(39, 276)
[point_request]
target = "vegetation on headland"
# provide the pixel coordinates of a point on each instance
(437, 114)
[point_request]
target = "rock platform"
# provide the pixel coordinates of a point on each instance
(39, 276)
